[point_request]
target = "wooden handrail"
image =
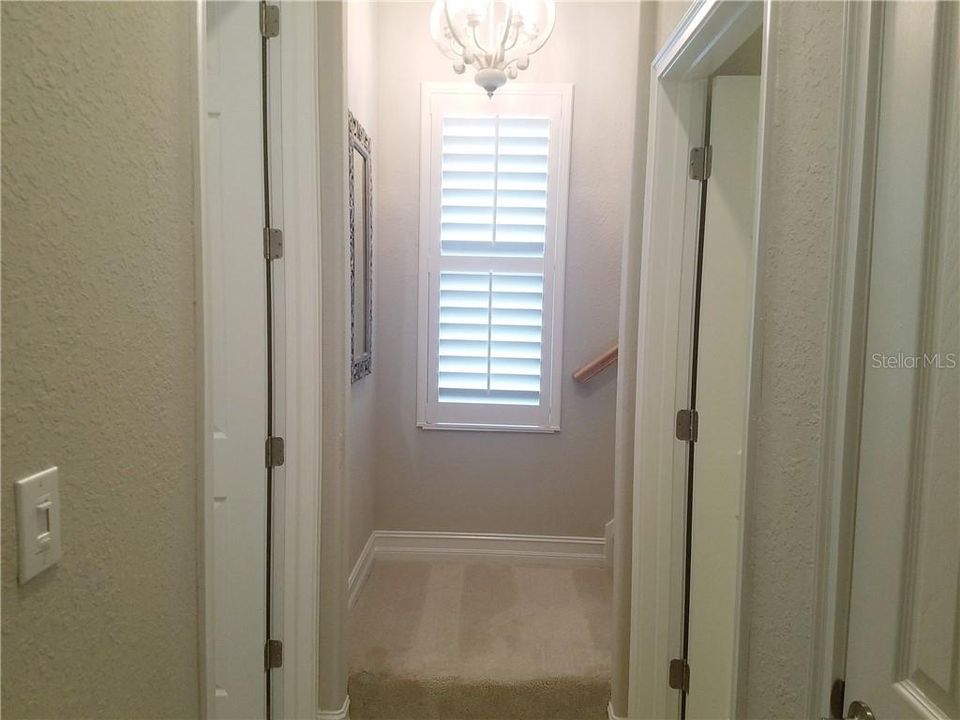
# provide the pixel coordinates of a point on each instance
(597, 365)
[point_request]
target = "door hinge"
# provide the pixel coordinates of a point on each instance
(274, 452)
(688, 422)
(701, 160)
(837, 692)
(679, 675)
(272, 243)
(273, 654)
(269, 20)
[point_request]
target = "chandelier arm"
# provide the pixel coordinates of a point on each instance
(457, 49)
(481, 50)
(514, 54)
(513, 42)
(453, 30)
(548, 28)
(507, 24)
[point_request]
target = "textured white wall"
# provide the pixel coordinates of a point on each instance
(99, 356)
(506, 482)
(362, 99)
(793, 292)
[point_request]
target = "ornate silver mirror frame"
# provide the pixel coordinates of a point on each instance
(361, 250)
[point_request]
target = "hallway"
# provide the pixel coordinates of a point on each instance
(480, 360)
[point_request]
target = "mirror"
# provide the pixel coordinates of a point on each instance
(361, 256)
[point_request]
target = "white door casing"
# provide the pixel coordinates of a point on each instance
(234, 218)
(706, 37)
(721, 398)
(903, 654)
(294, 124)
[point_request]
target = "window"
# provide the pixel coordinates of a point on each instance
(493, 199)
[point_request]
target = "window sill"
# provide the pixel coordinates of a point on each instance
(489, 428)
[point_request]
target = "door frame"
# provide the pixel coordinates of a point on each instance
(844, 358)
(295, 197)
(845, 348)
(709, 32)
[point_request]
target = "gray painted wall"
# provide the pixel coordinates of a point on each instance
(99, 356)
(363, 101)
(505, 482)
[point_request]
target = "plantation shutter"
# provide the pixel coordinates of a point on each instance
(491, 260)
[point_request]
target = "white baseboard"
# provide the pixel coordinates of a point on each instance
(608, 537)
(468, 546)
(343, 713)
(611, 715)
(416, 545)
(361, 570)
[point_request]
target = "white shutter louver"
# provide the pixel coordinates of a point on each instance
(490, 340)
(494, 186)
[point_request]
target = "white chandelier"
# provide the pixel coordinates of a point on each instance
(497, 37)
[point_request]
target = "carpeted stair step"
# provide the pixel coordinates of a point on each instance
(498, 640)
(377, 697)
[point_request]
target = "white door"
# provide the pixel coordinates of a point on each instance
(904, 635)
(721, 394)
(234, 215)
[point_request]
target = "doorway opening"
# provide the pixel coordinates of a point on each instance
(481, 473)
(718, 383)
(506, 512)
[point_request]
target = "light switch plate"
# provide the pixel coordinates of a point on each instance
(38, 522)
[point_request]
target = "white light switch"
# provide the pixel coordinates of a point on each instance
(38, 522)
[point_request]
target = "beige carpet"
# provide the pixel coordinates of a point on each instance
(481, 640)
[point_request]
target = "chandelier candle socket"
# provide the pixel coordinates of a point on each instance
(497, 37)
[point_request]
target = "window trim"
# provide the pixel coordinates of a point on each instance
(553, 383)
